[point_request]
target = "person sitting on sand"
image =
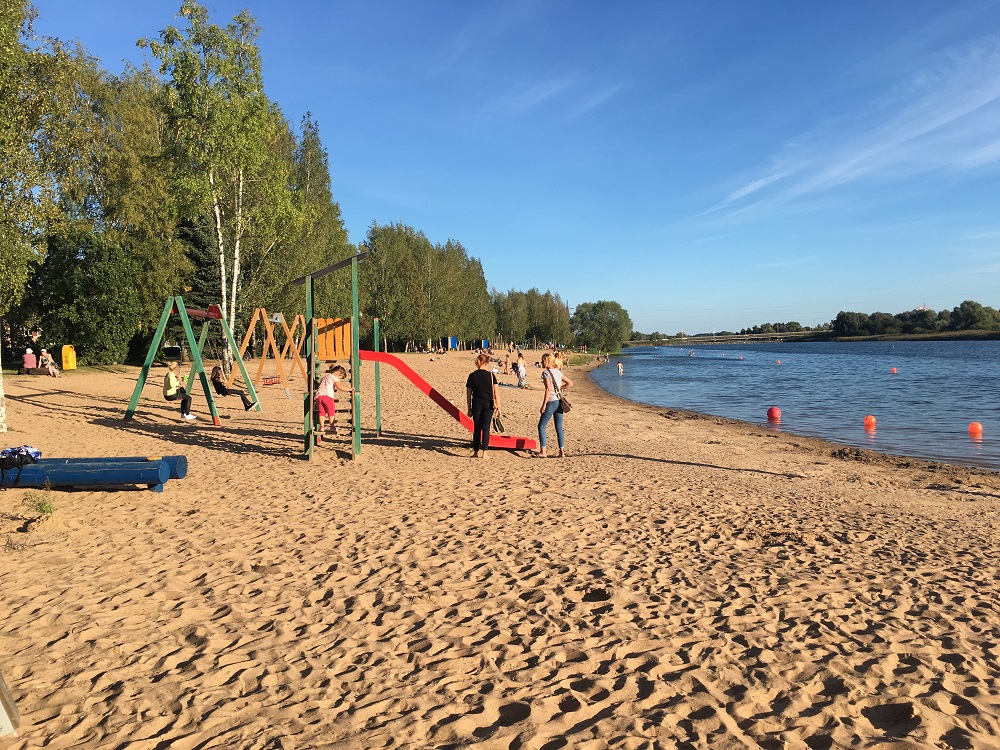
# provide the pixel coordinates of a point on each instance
(219, 384)
(173, 390)
(28, 362)
(46, 363)
(326, 396)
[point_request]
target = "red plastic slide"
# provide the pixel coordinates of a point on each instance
(496, 441)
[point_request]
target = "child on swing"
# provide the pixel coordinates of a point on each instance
(219, 384)
(328, 386)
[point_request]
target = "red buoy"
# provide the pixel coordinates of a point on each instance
(774, 414)
(869, 421)
(778, 361)
(893, 370)
(975, 428)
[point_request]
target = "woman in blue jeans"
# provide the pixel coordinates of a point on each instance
(554, 381)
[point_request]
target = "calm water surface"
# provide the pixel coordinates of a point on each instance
(826, 389)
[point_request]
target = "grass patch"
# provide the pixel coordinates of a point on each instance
(39, 502)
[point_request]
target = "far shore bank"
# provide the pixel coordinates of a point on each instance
(816, 337)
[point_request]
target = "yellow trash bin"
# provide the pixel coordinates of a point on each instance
(69, 357)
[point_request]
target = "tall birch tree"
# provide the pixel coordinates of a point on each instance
(224, 131)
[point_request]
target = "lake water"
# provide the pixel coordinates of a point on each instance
(826, 390)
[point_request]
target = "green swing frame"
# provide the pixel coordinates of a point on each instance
(176, 305)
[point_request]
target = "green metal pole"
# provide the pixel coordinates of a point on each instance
(378, 387)
(150, 356)
(251, 391)
(204, 335)
(307, 405)
(197, 366)
(355, 357)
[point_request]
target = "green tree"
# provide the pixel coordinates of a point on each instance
(85, 294)
(225, 139)
(973, 316)
(322, 239)
(37, 87)
(471, 309)
(603, 325)
(510, 310)
(386, 277)
(848, 324)
(138, 207)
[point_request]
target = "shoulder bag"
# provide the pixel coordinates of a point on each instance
(564, 404)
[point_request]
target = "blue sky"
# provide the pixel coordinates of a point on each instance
(709, 165)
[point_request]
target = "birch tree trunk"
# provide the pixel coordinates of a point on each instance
(224, 307)
(227, 361)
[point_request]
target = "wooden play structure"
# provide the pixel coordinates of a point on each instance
(175, 305)
(270, 350)
(335, 339)
(334, 334)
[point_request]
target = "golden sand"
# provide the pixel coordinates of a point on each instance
(676, 582)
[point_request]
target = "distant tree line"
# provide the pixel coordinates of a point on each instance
(969, 316)
(531, 315)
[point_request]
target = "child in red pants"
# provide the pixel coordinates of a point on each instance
(328, 386)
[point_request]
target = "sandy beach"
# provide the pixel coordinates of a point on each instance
(677, 581)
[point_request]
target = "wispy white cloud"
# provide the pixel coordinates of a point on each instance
(943, 118)
(800, 260)
(588, 101)
(533, 95)
(567, 96)
(986, 234)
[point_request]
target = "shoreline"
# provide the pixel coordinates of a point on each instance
(678, 579)
(819, 444)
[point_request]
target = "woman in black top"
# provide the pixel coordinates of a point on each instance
(483, 402)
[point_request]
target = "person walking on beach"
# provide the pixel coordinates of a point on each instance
(521, 368)
(219, 384)
(173, 390)
(554, 381)
(483, 402)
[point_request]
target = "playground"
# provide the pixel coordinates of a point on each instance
(321, 340)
